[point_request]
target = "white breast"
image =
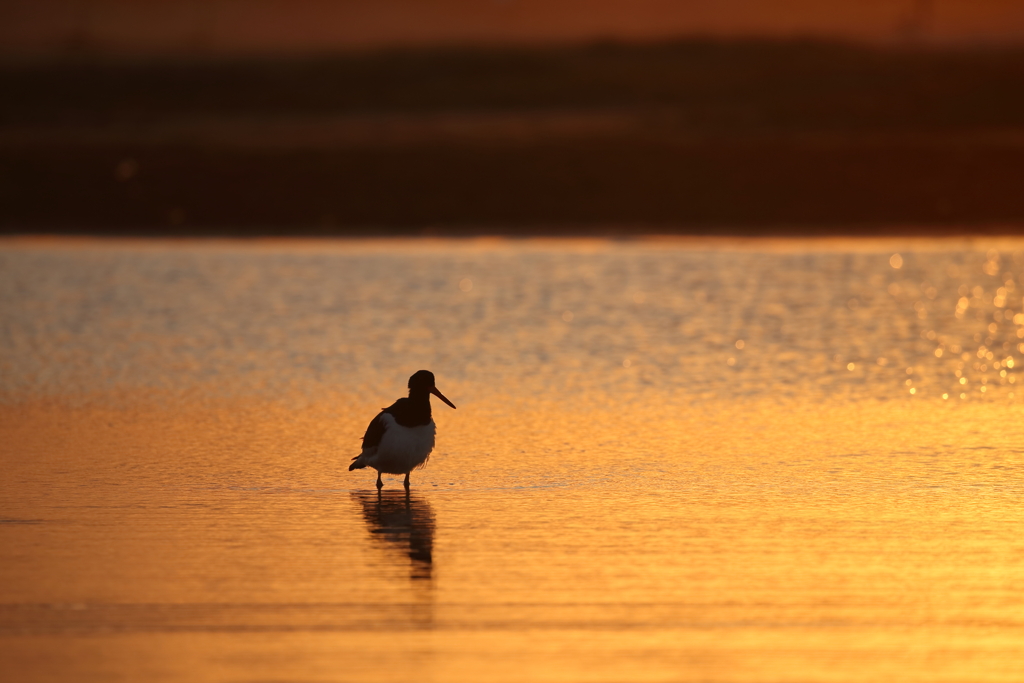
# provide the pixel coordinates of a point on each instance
(402, 449)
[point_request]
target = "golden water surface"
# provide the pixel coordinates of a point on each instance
(671, 461)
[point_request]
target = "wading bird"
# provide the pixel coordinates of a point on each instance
(401, 437)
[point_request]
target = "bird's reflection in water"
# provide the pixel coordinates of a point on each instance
(403, 521)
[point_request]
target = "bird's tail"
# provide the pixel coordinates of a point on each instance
(357, 464)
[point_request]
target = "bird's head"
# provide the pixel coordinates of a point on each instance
(423, 383)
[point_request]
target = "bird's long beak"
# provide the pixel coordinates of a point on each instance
(437, 393)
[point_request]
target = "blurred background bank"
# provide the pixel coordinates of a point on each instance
(511, 117)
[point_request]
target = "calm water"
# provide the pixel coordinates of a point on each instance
(671, 461)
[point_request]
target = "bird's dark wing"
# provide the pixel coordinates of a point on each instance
(374, 432)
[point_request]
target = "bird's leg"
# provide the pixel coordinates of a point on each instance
(380, 484)
(406, 481)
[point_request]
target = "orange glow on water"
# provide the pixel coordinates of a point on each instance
(741, 549)
(614, 499)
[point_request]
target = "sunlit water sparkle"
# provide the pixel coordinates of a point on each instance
(671, 461)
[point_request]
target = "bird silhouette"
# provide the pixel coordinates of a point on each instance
(400, 438)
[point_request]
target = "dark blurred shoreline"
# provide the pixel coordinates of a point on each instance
(693, 137)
